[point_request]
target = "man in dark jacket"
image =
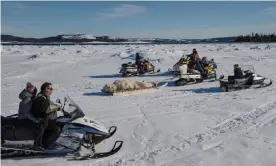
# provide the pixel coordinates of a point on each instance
(43, 108)
(238, 72)
(139, 63)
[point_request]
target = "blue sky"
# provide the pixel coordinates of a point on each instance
(138, 19)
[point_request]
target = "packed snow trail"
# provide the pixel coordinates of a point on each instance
(190, 125)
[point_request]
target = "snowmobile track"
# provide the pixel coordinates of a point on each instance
(216, 135)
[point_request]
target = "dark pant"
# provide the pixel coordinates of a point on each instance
(39, 135)
(199, 66)
(47, 134)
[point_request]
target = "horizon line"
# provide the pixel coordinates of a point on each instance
(141, 37)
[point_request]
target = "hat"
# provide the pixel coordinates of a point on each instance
(30, 87)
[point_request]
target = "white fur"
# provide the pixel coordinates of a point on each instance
(127, 85)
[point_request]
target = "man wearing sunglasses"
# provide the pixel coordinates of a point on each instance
(45, 110)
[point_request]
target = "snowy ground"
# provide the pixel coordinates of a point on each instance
(191, 125)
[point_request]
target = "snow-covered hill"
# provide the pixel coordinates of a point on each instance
(77, 36)
(192, 125)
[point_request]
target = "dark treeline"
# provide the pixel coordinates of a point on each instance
(255, 37)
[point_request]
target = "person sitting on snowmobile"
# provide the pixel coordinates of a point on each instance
(43, 108)
(238, 74)
(140, 63)
(27, 97)
(195, 58)
(138, 59)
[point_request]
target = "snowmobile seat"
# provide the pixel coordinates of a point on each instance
(231, 79)
(14, 121)
(15, 129)
(133, 65)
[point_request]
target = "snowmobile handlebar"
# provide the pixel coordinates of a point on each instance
(62, 106)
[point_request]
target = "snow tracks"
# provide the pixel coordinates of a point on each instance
(235, 125)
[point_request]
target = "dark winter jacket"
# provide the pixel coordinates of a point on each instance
(25, 106)
(44, 108)
(138, 60)
(238, 73)
(40, 106)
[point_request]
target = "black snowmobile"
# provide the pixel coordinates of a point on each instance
(249, 80)
(131, 69)
(77, 131)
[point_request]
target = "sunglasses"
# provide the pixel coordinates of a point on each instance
(50, 88)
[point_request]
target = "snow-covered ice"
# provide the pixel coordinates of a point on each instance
(190, 125)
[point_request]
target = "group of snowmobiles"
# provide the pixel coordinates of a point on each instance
(187, 72)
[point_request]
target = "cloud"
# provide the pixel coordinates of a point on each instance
(123, 11)
(269, 11)
(200, 32)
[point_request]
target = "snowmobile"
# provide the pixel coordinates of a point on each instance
(211, 62)
(131, 69)
(77, 131)
(249, 80)
(184, 70)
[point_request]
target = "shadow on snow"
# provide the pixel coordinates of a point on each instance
(203, 90)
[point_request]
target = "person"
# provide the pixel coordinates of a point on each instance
(27, 97)
(138, 59)
(43, 108)
(195, 58)
(139, 62)
(238, 74)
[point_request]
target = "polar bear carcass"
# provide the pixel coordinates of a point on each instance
(127, 85)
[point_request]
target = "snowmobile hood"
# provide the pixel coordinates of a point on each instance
(91, 123)
(24, 94)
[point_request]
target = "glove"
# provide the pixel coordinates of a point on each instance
(59, 108)
(66, 114)
(42, 121)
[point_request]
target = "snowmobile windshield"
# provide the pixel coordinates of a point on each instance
(73, 109)
(247, 68)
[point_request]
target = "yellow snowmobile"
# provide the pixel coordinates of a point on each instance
(185, 70)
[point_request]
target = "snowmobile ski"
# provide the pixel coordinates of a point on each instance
(263, 85)
(103, 154)
(8, 152)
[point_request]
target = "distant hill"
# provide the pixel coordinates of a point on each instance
(76, 38)
(83, 38)
(187, 41)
